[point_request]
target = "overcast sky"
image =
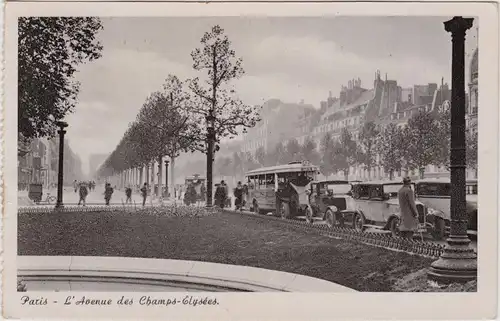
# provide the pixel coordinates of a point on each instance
(286, 58)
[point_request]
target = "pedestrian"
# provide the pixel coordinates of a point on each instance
(221, 195)
(108, 192)
(408, 209)
(245, 195)
(83, 193)
(128, 193)
(144, 193)
(203, 192)
(238, 195)
(75, 185)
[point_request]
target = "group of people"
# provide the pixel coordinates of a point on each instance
(240, 193)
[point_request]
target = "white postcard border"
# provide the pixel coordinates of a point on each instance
(289, 305)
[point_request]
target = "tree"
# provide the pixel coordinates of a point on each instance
(237, 164)
(368, 142)
(249, 162)
(389, 148)
(327, 145)
(471, 151)
(443, 138)
(218, 105)
(309, 152)
(293, 151)
(423, 141)
(49, 51)
(260, 156)
(278, 155)
(219, 99)
(347, 151)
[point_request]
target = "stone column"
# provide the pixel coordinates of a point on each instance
(458, 263)
(160, 177)
(166, 178)
(153, 179)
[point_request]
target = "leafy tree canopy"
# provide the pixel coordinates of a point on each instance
(50, 49)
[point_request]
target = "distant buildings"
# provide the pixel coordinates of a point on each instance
(38, 163)
(279, 123)
(473, 105)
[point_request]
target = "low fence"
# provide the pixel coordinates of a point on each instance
(416, 247)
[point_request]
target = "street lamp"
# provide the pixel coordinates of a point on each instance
(458, 263)
(60, 173)
(210, 155)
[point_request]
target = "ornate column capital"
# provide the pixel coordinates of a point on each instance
(458, 25)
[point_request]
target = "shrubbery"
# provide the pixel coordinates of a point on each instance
(173, 210)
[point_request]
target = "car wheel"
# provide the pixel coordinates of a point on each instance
(330, 219)
(285, 210)
(394, 226)
(358, 222)
(438, 232)
(309, 215)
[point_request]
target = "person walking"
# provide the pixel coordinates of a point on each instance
(408, 208)
(75, 185)
(108, 192)
(144, 193)
(221, 195)
(238, 195)
(83, 193)
(128, 193)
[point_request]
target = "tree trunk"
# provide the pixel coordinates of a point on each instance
(391, 174)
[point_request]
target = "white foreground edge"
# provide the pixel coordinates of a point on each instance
(96, 274)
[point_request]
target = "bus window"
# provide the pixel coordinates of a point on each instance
(269, 180)
(281, 180)
(262, 181)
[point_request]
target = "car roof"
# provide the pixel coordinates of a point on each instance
(294, 167)
(381, 182)
(332, 182)
(442, 180)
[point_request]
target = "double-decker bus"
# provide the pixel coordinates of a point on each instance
(264, 183)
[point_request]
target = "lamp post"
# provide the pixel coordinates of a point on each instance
(60, 173)
(210, 155)
(458, 263)
(166, 177)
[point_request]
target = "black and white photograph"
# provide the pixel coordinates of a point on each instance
(177, 157)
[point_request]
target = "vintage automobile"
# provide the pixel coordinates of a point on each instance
(435, 193)
(330, 200)
(376, 205)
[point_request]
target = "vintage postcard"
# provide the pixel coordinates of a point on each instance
(338, 160)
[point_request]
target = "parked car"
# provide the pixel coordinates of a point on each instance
(330, 200)
(376, 205)
(436, 195)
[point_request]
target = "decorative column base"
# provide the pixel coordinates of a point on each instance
(458, 263)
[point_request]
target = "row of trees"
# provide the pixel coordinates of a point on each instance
(425, 140)
(175, 118)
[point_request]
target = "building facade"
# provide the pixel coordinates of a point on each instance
(39, 163)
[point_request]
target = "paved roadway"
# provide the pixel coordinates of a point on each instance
(95, 197)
